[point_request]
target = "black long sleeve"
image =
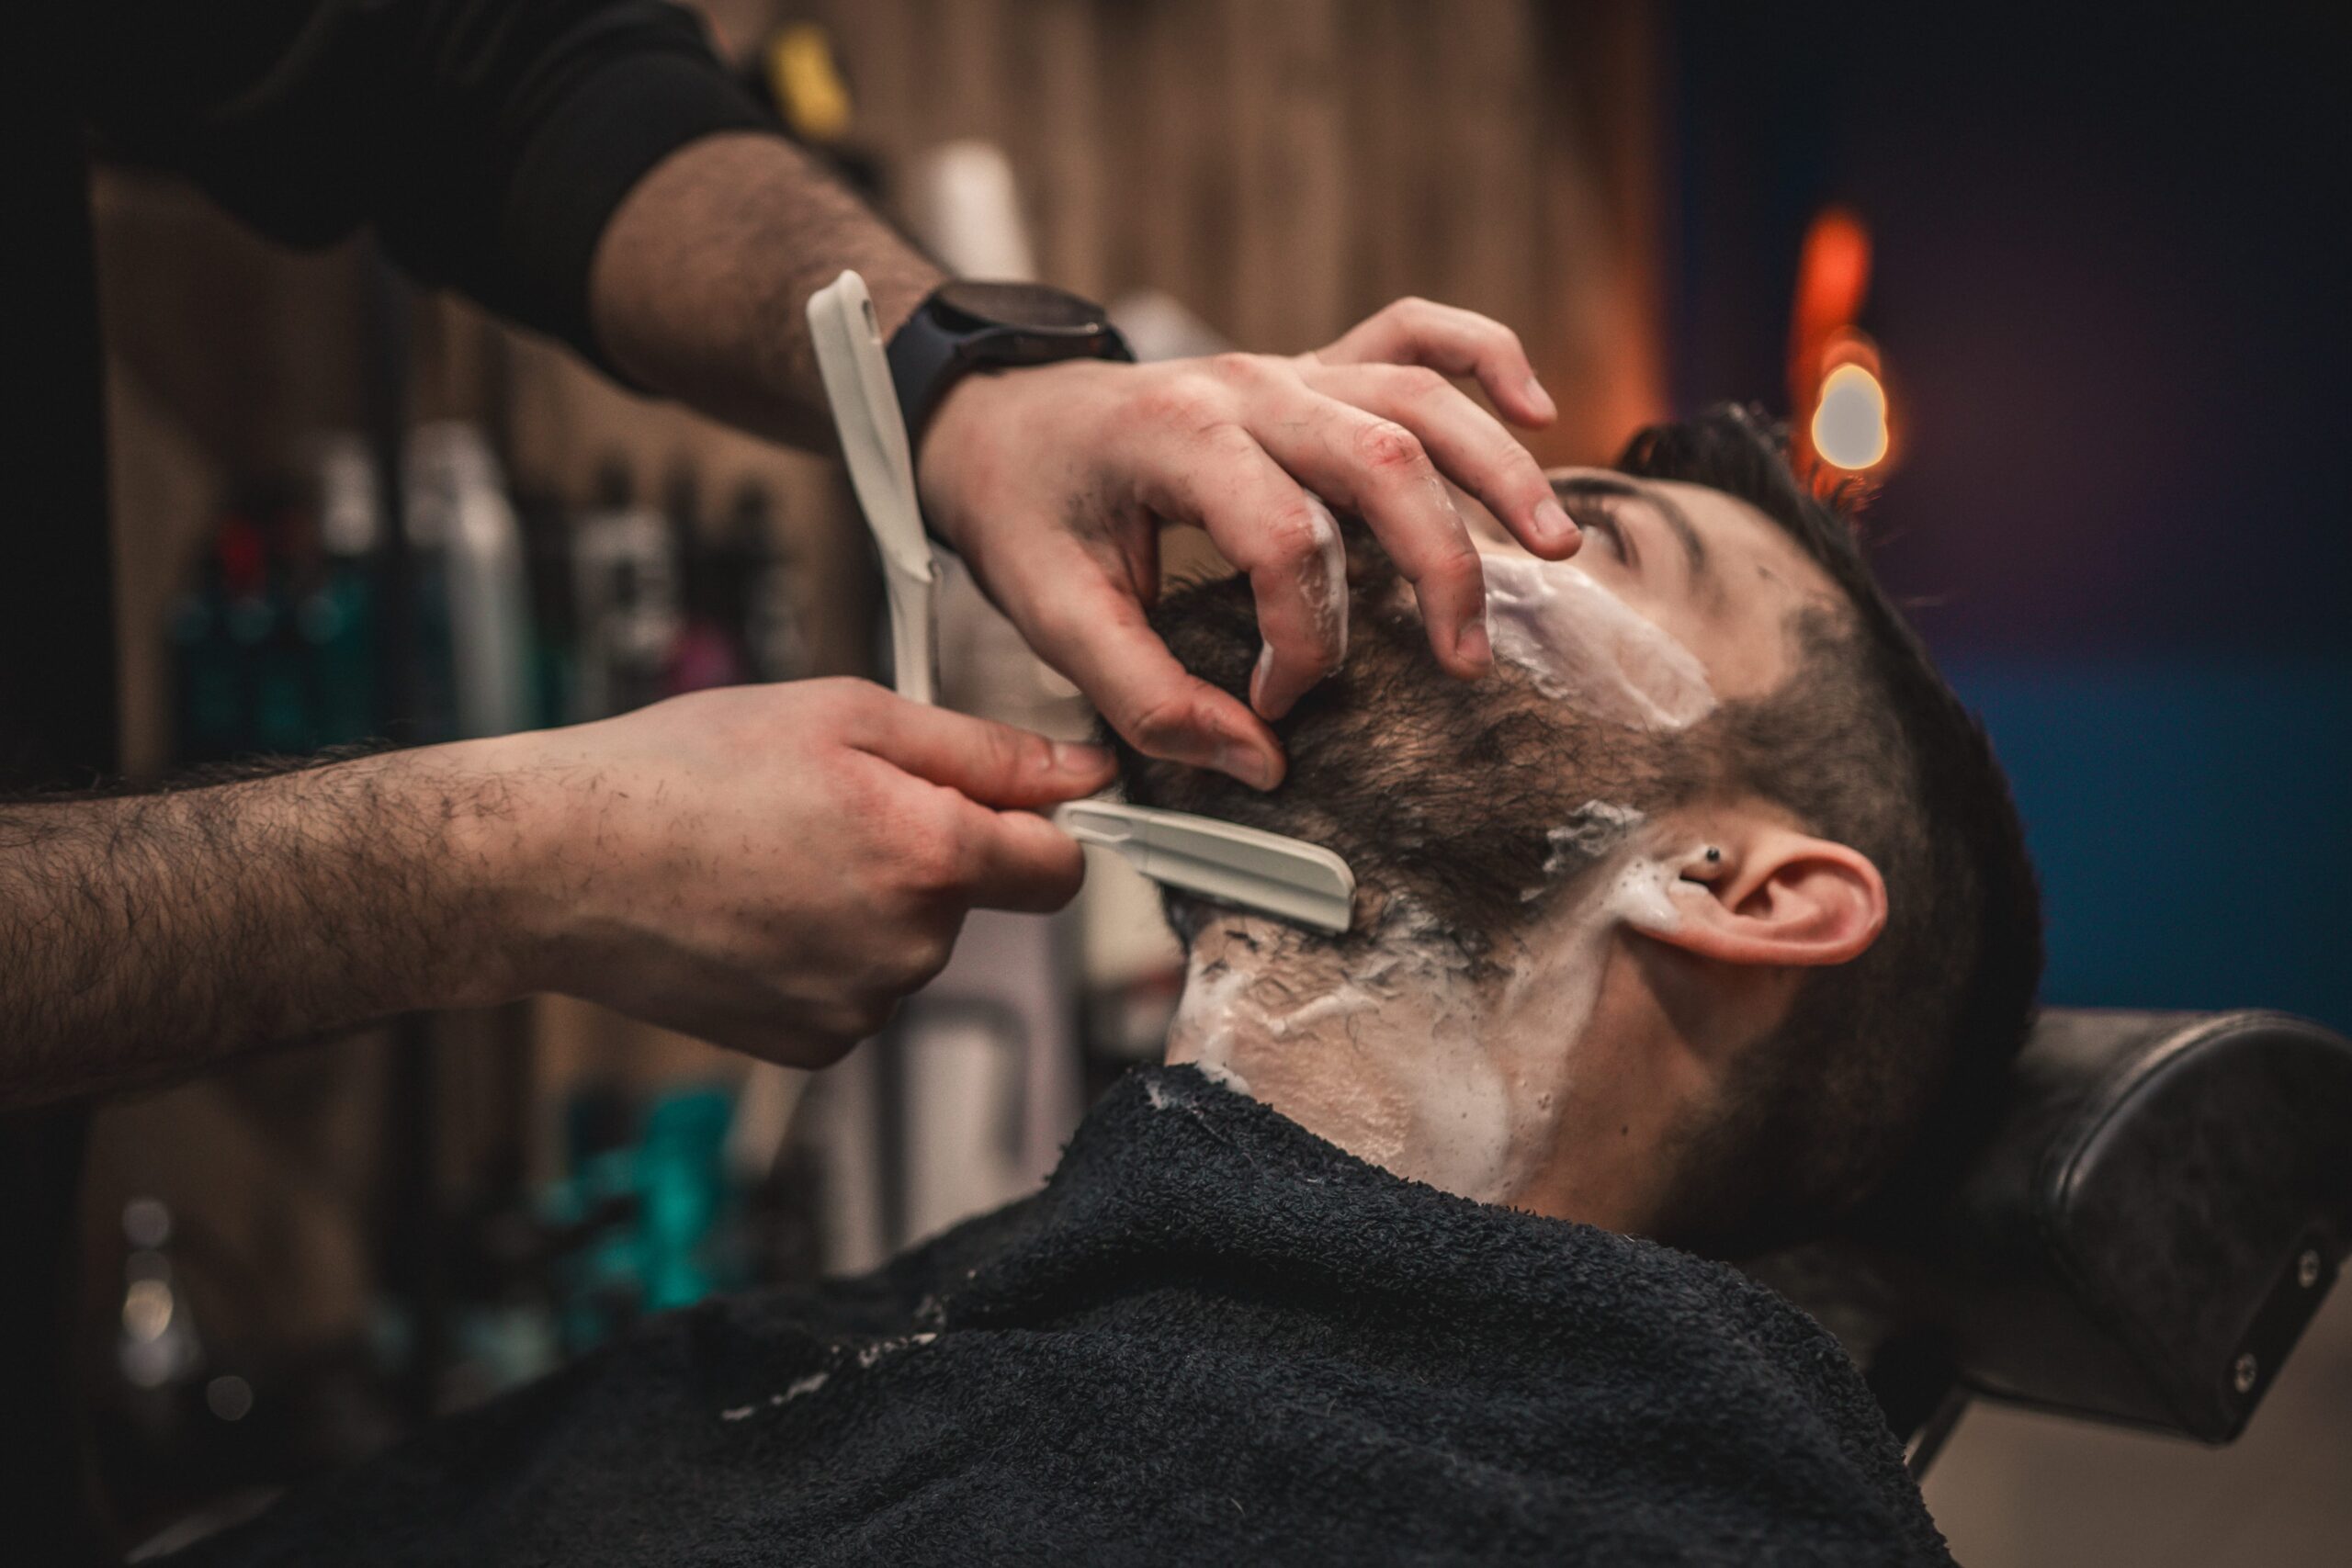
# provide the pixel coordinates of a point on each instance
(487, 140)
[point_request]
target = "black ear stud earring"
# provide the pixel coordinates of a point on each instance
(1714, 855)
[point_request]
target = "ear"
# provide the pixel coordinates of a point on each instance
(1777, 897)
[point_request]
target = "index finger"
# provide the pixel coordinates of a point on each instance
(1279, 534)
(1379, 470)
(1468, 445)
(990, 762)
(1099, 638)
(1457, 341)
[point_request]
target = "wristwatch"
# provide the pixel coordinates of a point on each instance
(966, 326)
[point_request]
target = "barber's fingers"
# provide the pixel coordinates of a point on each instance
(1096, 634)
(1468, 445)
(1301, 591)
(952, 845)
(1378, 469)
(1013, 860)
(1264, 521)
(1457, 341)
(945, 854)
(990, 763)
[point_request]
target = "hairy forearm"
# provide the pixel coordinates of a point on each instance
(702, 277)
(147, 934)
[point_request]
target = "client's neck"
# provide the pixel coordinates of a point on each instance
(1519, 1079)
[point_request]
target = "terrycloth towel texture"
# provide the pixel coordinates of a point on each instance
(1212, 1338)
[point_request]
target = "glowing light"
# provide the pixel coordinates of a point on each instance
(1849, 422)
(147, 1309)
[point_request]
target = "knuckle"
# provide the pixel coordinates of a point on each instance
(919, 943)
(1389, 450)
(926, 956)
(1056, 624)
(1524, 470)
(1186, 399)
(1007, 753)
(838, 701)
(1294, 533)
(1418, 384)
(1026, 754)
(931, 854)
(1495, 345)
(1236, 369)
(1454, 562)
(1161, 724)
(861, 1019)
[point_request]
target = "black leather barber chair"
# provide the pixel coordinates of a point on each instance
(2164, 1204)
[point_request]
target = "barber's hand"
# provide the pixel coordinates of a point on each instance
(1053, 483)
(771, 868)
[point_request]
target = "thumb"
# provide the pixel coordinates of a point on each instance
(1019, 862)
(992, 763)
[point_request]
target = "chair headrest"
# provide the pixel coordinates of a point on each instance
(2164, 1204)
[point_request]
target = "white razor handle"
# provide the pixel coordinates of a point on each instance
(881, 470)
(1291, 879)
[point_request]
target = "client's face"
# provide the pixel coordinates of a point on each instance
(1680, 600)
(1504, 833)
(1713, 573)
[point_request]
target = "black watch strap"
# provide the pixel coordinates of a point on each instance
(969, 325)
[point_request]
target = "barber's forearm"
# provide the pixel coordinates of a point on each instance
(149, 934)
(701, 279)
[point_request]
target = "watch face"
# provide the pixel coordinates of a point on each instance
(1025, 307)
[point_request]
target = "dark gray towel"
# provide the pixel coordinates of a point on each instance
(1212, 1338)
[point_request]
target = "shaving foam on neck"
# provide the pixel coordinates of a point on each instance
(1407, 1054)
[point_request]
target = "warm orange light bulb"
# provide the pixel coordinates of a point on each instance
(1849, 421)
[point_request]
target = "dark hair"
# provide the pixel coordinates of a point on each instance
(1885, 1071)
(1452, 795)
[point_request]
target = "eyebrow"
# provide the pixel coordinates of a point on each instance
(1676, 521)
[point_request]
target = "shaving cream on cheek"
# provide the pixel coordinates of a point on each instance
(1585, 646)
(1591, 831)
(1547, 999)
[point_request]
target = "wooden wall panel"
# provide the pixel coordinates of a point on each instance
(1285, 167)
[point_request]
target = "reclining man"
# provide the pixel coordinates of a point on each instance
(1698, 927)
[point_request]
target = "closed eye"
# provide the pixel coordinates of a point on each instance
(1598, 516)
